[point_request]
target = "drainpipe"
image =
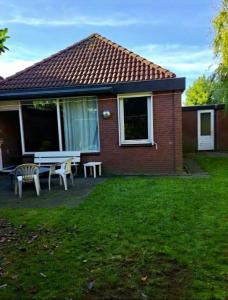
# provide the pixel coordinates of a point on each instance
(174, 132)
(1, 161)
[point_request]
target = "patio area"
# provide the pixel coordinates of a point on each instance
(54, 198)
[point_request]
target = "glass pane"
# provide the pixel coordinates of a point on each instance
(136, 118)
(205, 123)
(80, 124)
(40, 126)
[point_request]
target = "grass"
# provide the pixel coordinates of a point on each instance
(134, 238)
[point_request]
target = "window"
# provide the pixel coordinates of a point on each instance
(64, 124)
(205, 123)
(80, 124)
(40, 126)
(135, 119)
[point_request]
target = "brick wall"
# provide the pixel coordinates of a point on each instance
(189, 128)
(222, 130)
(167, 158)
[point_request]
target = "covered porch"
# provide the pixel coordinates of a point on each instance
(47, 125)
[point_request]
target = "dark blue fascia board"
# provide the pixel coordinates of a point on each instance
(203, 107)
(170, 84)
(27, 94)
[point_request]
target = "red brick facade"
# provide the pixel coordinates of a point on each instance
(189, 128)
(222, 130)
(167, 158)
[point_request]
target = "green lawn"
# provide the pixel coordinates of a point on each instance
(134, 238)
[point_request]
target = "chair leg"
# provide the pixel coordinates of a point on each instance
(99, 170)
(36, 181)
(64, 181)
(49, 182)
(20, 188)
(85, 172)
(94, 172)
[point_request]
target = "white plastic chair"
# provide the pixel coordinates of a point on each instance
(62, 172)
(26, 173)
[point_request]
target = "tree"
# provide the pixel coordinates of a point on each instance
(201, 92)
(220, 77)
(3, 38)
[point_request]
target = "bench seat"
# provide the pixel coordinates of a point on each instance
(49, 158)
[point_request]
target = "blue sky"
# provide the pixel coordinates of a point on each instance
(176, 34)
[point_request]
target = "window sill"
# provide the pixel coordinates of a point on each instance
(138, 145)
(90, 153)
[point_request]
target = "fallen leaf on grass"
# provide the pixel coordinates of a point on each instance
(42, 274)
(144, 278)
(33, 239)
(90, 285)
(3, 286)
(2, 239)
(144, 296)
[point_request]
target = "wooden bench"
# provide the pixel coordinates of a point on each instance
(49, 158)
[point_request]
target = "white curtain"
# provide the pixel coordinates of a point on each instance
(81, 124)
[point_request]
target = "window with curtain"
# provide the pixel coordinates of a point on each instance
(80, 124)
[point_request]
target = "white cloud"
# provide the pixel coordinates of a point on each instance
(185, 60)
(20, 57)
(77, 21)
(8, 68)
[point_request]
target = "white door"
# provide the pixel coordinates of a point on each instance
(205, 120)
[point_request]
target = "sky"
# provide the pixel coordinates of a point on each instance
(176, 34)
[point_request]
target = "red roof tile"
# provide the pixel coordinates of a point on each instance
(94, 60)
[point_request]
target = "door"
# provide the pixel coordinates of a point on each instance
(10, 138)
(206, 129)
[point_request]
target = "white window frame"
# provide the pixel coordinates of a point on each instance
(120, 100)
(59, 125)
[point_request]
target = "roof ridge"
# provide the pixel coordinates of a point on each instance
(131, 53)
(68, 66)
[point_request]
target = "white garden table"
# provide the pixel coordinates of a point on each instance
(92, 165)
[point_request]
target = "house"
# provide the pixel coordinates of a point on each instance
(205, 127)
(98, 98)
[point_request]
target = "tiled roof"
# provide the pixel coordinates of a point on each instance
(94, 60)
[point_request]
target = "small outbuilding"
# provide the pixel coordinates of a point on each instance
(205, 127)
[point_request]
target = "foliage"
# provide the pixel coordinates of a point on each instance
(201, 92)
(3, 38)
(220, 76)
(133, 238)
